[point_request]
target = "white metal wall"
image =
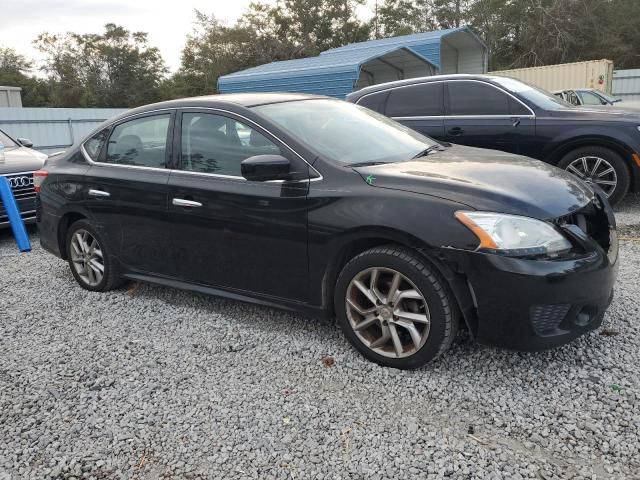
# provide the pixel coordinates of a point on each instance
(461, 53)
(626, 84)
(53, 129)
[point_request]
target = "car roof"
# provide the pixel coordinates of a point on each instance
(227, 99)
(417, 80)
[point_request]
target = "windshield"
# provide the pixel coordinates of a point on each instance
(608, 98)
(345, 133)
(539, 97)
(6, 141)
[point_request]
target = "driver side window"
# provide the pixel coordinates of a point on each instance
(217, 144)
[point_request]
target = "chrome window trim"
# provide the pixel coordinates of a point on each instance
(531, 115)
(171, 170)
(443, 117)
(105, 164)
(397, 88)
(123, 120)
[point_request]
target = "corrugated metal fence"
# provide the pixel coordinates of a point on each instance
(626, 84)
(53, 129)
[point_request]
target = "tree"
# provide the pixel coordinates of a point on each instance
(15, 71)
(113, 69)
(318, 25)
(291, 29)
(403, 17)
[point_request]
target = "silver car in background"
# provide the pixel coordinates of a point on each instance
(17, 163)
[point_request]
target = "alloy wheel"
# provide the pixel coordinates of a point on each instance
(387, 312)
(87, 258)
(595, 170)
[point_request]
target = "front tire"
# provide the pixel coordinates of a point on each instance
(89, 258)
(394, 308)
(601, 166)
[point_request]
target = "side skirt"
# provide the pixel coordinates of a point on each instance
(279, 304)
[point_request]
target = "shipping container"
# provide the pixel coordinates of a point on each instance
(596, 74)
(10, 97)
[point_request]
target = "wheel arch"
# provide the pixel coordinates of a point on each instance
(364, 240)
(65, 222)
(620, 148)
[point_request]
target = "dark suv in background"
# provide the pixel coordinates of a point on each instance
(506, 114)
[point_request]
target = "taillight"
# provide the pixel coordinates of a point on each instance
(38, 178)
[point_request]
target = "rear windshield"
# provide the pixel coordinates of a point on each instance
(345, 133)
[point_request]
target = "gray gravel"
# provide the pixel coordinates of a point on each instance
(154, 383)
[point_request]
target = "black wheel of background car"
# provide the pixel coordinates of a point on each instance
(89, 259)
(394, 308)
(601, 166)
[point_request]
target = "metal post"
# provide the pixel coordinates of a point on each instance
(69, 122)
(15, 220)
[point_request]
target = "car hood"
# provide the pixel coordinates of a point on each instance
(21, 159)
(616, 107)
(599, 114)
(486, 180)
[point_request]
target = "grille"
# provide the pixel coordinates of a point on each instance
(22, 189)
(21, 185)
(547, 318)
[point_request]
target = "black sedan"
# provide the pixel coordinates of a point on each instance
(601, 146)
(318, 205)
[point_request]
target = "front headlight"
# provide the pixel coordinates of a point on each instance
(514, 235)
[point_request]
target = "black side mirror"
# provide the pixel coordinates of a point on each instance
(25, 142)
(262, 168)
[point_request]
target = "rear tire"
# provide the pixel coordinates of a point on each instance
(602, 166)
(89, 258)
(394, 307)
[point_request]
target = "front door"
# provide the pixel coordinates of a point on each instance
(126, 190)
(482, 115)
(229, 232)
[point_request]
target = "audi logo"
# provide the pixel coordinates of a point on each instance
(21, 182)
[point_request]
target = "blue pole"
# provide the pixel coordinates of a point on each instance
(15, 220)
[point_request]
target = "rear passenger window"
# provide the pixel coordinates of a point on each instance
(141, 142)
(475, 98)
(374, 101)
(424, 100)
(94, 145)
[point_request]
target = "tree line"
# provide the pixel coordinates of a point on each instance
(118, 68)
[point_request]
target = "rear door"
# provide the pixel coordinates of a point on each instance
(230, 232)
(125, 190)
(479, 114)
(420, 107)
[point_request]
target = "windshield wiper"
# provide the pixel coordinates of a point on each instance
(433, 148)
(365, 164)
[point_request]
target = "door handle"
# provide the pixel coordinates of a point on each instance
(455, 131)
(516, 121)
(99, 193)
(181, 202)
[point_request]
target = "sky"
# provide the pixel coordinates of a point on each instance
(167, 22)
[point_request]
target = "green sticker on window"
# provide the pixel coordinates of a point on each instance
(370, 179)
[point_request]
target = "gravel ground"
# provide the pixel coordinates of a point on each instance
(155, 383)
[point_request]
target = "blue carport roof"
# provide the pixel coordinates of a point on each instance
(335, 71)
